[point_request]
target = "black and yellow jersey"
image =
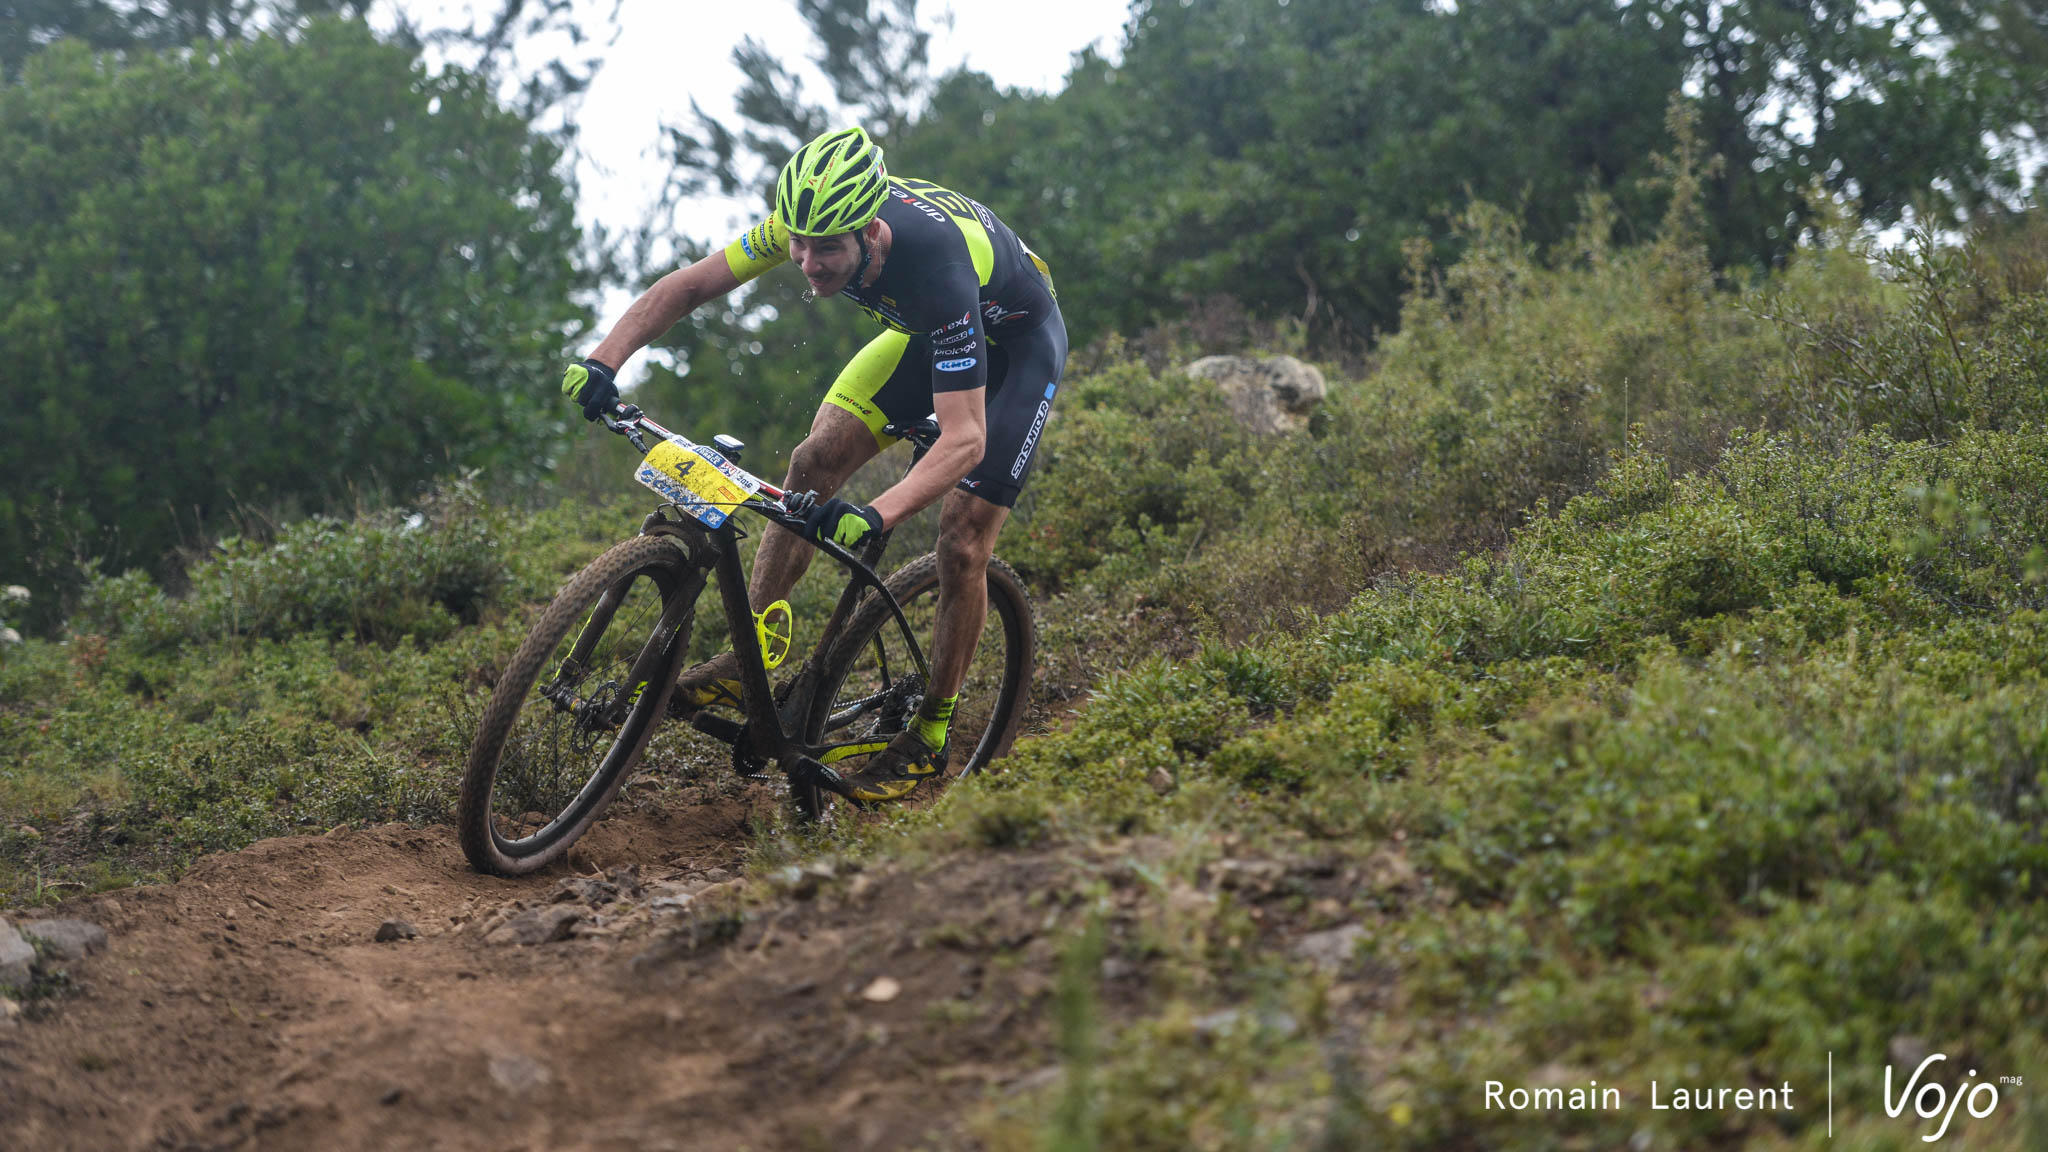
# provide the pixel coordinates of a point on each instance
(954, 273)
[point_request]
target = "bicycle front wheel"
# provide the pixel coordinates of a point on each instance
(870, 687)
(575, 707)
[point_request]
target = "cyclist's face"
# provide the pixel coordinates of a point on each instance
(828, 262)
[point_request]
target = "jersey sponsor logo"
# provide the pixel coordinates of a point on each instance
(954, 203)
(1031, 437)
(967, 483)
(954, 340)
(966, 320)
(960, 365)
(996, 314)
(758, 242)
(921, 206)
(853, 401)
(879, 311)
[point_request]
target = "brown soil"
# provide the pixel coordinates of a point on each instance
(248, 1005)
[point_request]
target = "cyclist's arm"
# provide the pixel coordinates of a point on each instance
(959, 389)
(959, 347)
(672, 297)
(963, 434)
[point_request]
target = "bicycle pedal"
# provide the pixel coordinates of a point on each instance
(806, 770)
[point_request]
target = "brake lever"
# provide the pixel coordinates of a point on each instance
(623, 424)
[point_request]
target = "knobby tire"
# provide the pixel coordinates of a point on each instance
(997, 715)
(526, 735)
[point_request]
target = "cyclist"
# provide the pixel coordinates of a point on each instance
(973, 336)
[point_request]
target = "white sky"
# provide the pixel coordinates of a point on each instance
(667, 52)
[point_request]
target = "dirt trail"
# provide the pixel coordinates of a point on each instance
(248, 1006)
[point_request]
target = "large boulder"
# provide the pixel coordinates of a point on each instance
(1269, 395)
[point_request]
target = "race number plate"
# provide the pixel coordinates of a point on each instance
(697, 479)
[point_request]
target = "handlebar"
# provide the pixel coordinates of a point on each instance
(628, 420)
(784, 507)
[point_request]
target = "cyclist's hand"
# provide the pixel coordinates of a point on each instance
(590, 384)
(840, 522)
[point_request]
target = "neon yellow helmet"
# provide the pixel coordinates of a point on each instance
(834, 184)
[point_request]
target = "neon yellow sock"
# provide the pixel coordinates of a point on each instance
(932, 720)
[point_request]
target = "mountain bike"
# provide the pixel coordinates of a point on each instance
(575, 709)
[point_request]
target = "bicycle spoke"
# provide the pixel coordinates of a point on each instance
(557, 746)
(870, 692)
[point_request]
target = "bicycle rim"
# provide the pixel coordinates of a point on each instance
(574, 709)
(871, 687)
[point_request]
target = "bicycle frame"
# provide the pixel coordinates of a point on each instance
(770, 734)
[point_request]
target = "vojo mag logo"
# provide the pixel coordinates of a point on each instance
(1932, 1101)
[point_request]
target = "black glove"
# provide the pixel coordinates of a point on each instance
(840, 522)
(590, 384)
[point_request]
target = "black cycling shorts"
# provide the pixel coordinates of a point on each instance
(890, 382)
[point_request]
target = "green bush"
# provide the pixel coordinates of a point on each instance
(1703, 775)
(278, 694)
(379, 578)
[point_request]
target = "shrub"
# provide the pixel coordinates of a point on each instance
(381, 577)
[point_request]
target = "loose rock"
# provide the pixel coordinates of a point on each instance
(391, 930)
(1329, 949)
(1230, 1020)
(803, 882)
(584, 890)
(72, 940)
(881, 991)
(1256, 879)
(537, 926)
(516, 1073)
(626, 879)
(17, 958)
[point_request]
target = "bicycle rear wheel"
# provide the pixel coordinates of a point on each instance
(870, 687)
(575, 707)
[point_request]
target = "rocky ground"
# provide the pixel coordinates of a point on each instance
(365, 990)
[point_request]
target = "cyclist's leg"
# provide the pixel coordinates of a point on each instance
(845, 434)
(968, 526)
(836, 448)
(1024, 375)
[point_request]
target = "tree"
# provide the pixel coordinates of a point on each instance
(269, 274)
(1285, 153)
(1883, 104)
(29, 25)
